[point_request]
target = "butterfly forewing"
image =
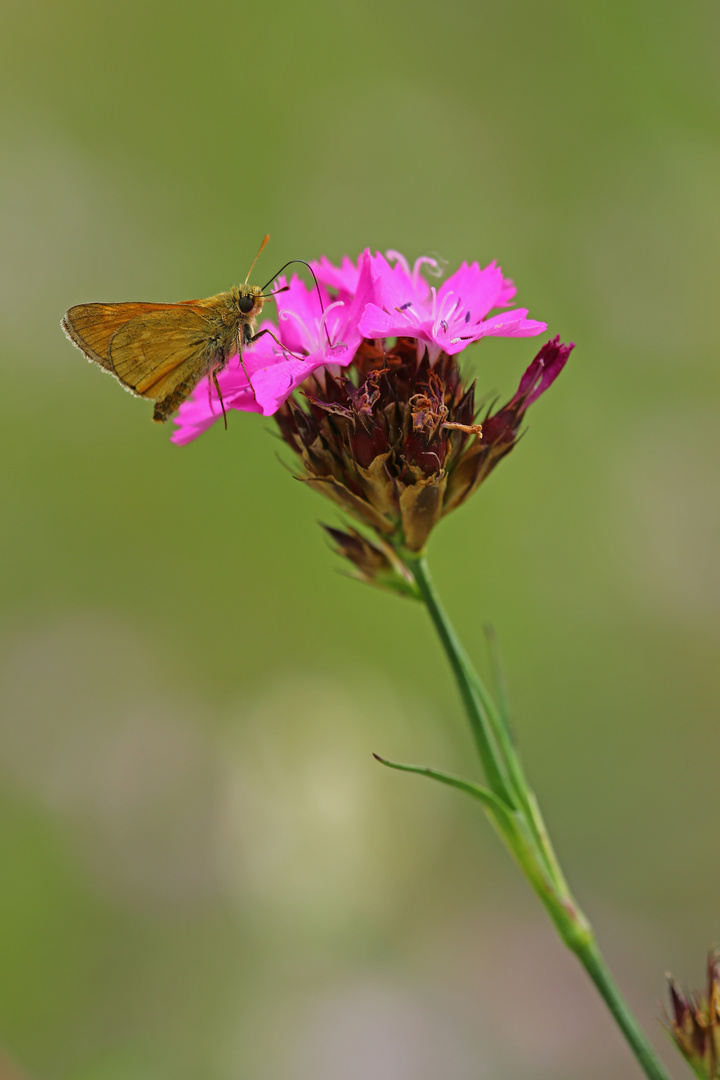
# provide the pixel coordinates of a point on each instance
(91, 326)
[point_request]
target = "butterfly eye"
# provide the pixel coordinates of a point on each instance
(246, 304)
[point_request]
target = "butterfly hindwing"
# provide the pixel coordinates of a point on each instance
(153, 354)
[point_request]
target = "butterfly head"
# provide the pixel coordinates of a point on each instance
(249, 300)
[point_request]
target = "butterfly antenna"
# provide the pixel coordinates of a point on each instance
(267, 237)
(317, 286)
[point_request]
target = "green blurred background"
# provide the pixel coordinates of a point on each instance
(204, 874)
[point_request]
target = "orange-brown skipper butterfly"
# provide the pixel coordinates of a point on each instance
(162, 351)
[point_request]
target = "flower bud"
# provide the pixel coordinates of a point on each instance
(695, 1022)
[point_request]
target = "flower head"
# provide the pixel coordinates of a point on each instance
(362, 374)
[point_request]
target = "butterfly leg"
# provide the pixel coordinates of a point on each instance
(245, 370)
(219, 394)
(260, 333)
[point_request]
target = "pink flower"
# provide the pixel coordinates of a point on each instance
(309, 336)
(446, 319)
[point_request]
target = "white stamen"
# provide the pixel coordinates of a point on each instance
(328, 309)
(287, 314)
(395, 256)
(312, 342)
(446, 307)
(425, 260)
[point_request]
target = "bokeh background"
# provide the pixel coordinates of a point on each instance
(204, 874)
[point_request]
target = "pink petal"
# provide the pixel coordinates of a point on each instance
(393, 285)
(303, 302)
(511, 324)
(275, 383)
(185, 432)
(376, 323)
(507, 293)
(343, 278)
(477, 289)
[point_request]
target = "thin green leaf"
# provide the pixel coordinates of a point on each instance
(488, 798)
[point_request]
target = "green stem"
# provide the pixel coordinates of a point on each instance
(485, 739)
(536, 857)
(593, 962)
(492, 735)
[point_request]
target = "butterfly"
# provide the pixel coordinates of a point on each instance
(162, 351)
